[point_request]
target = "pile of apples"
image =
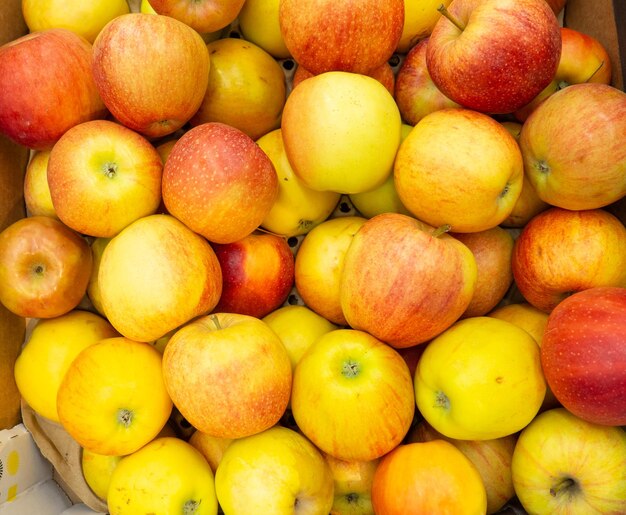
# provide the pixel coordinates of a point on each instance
(455, 342)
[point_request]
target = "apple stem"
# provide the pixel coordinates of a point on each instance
(441, 230)
(562, 486)
(216, 321)
(442, 9)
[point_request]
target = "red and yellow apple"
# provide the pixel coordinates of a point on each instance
(201, 16)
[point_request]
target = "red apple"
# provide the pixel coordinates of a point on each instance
(415, 92)
(258, 274)
(584, 357)
(103, 176)
(494, 56)
(560, 252)
(219, 182)
(204, 17)
(152, 72)
(352, 35)
(405, 282)
(44, 267)
(46, 87)
(573, 147)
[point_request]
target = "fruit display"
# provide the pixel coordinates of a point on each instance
(316, 257)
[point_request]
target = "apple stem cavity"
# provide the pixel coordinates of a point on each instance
(352, 498)
(542, 167)
(216, 321)
(191, 507)
(565, 486)
(110, 170)
(39, 269)
(441, 230)
(442, 401)
(125, 417)
(455, 21)
(350, 369)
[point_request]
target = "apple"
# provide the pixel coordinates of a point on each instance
(571, 147)
(56, 64)
(298, 208)
(245, 75)
(341, 132)
(319, 265)
(562, 464)
(415, 92)
(492, 249)
(404, 281)
(48, 352)
(84, 18)
(102, 176)
(155, 88)
(352, 36)
(560, 252)
(211, 447)
(583, 356)
(383, 74)
(228, 374)
(258, 23)
(44, 267)
(93, 287)
(112, 399)
(36, 190)
(479, 380)
(201, 16)
(277, 471)
(258, 274)
(420, 17)
(583, 59)
(492, 459)
(180, 481)
(427, 477)
(297, 327)
(155, 276)
(97, 470)
(219, 182)
(506, 51)
(353, 485)
(352, 395)
(469, 177)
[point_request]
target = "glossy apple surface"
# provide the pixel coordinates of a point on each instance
(420, 17)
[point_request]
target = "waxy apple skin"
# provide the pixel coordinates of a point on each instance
(583, 354)
(507, 53)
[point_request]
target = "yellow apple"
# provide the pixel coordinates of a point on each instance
(341, 132)
(97, 470)
(156, 275)
(244, 75)
(168, 475)
(352, 395)
(93, 288)
(420, 17)
(319, 264)
(211, 447)
(84, 18)
(258, 23)
(469, 178)
(480, 379)
(277, 471)
(353, 485)
(298, 327)
(298, 208)
(50, 349)
(36, 190)
(201, 16)
(112, 399)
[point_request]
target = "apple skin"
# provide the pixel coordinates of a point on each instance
(506, 55)
(561, 251)
(583, 59)
(572, 147)
(352, 36)
(36, 190)
(103, 176)
(56, 64)
(201, 16)
(383, 74)
(258, 23)
(352, 395)
(415, 92)
(388, 277)
(257, 274)
(172, 272)
(219, 182)
(205, 362)
(420, 17)
(211, 447)
(137, 82)
(469, 178)
(584, 357)
(563, 464)
(353, 485)
(44, 267)
(492, 459)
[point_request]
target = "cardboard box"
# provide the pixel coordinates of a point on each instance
(32, 480)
